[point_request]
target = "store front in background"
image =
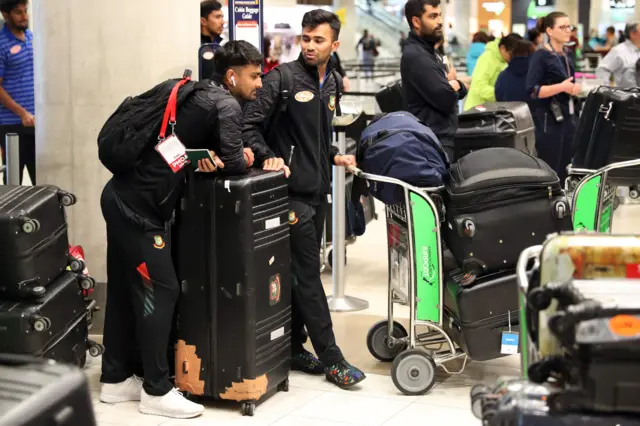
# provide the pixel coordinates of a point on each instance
(494, 17)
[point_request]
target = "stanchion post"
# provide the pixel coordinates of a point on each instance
(12, 149)
(339, 302)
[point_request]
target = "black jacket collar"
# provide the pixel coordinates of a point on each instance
(313, 70)
(422, 41)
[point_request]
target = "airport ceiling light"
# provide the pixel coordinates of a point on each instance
(496, 7)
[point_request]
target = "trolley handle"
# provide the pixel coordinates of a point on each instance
(527, 255)
(383, 179)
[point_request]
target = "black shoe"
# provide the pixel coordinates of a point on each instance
(344, 375)
(307, 363)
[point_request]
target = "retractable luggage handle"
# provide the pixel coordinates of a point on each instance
(172, 107)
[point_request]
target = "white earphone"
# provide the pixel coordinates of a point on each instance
(233, 81)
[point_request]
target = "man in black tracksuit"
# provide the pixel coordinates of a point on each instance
(302, 136)
(431, 91)
(138, 206)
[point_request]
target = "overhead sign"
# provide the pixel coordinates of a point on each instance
(496, 7)
(245, 21)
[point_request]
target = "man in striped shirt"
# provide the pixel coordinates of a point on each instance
(17, 103)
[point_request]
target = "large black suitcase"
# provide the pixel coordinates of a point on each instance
(53, 326)
(477, 315)
(498, 202)
(496, 124)
(35, 245)
(234, 312)
(391, 98)
(607, 133)
(41, 393)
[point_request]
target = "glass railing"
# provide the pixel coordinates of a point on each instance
(390, 20)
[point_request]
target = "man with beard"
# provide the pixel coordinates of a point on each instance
(303, 136)
(431, 91)
(17, 98)
(211, 23)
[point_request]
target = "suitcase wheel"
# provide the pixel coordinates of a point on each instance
(248, 409)
(76, 265)
(87, 283)
(634, 193)
(378, 341)
(284, 386)
(40, 324)
(413, 372)
(29, 226)
(95, 349)
(66, 199)
(478, 393)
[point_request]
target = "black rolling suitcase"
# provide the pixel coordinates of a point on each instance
(35, 245)
(477, 316)
(35, 392)
(498, 202)
(608, 131)
(234, 312)
(391, 98)
(496, 124)
(53, 326)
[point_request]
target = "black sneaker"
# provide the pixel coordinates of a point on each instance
(307, 363)
(344, 375)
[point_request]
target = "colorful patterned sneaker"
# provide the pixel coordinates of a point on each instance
(307, 363)
(344, 375)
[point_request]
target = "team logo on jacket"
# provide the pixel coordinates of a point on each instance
(304, 96)
(274, 290)
(332, 102)
(293, 219)
(158, 242)
(15, 49)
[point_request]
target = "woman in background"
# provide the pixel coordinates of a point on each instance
(511, 85)
(550, 82)
(479, 43)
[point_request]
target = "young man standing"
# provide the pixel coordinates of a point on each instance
(138, 205)
(211, 23)
(303, 136)
(17, 98)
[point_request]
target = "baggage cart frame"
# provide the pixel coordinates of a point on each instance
(592, 199)
(411, 248)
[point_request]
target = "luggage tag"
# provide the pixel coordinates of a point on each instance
(173, 152)
(510, 341)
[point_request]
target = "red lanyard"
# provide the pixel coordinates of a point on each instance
(171, 110)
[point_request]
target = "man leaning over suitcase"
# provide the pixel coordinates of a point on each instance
(138, 206)
(302, 136)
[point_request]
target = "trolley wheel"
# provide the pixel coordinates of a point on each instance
(87, 283)
(41, 324)
(413, 372)
(378, 341)
(96, 349)
(76, 265)
(29, 226)
(539, 299)
(284, 386)
(634, 193)
(478, 393)
(248, 409)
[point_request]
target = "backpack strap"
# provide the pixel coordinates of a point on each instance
(339, 90)
(282, 103)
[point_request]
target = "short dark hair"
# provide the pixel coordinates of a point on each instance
(7, 6)
(510, 42)
(416, 8)
(207, 7)
(631, 27)
(523, 48)
(611, 30)
(316, 17)
(237, 53)
(480, 37)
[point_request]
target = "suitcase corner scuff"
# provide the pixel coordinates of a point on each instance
(188, 369)
(248, 390)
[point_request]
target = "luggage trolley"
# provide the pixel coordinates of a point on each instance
(593, 196)
(415, 279)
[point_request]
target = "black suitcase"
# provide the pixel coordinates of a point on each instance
(391, 98)
(35, 245)
(496, 124)
(53, 326)
(35, 392)
(477, 315)
(500, 201)
(234, 312)
(607, 133)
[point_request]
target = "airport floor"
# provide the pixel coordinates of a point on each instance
(312, 401)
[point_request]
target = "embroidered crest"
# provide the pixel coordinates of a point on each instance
(304, 96)
(15, 49)
(293, 219)
(332, 102)
(158, 242)
(274, 290)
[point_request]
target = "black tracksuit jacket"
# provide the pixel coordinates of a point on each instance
(302, 134)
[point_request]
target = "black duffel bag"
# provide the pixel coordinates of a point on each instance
(391, 98)
(499, 202)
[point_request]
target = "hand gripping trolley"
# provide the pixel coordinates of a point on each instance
(415, 279)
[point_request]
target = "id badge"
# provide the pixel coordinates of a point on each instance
(572, 110)
(173, 152)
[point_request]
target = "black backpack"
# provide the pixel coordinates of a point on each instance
(135, 124)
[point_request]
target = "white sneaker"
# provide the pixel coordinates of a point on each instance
(129, 390)
(173, 405)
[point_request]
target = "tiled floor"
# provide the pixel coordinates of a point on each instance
(314, 402)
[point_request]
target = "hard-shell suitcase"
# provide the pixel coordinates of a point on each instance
(496, 124)
(52, 326)
(477, 316)
(35, 392)
(391, 98)
(607, 132)
(234, 313)
(500, 201)
(35, 245)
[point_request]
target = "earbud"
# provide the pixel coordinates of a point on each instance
(233, 81)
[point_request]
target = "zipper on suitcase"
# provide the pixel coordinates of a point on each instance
(500, 202)
(45, 242)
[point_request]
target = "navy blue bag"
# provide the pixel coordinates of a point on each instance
(398, 145)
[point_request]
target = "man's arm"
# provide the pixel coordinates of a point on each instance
(609, 65)
(426, 78)
(7, 101)
(258, 115)
(230, 127)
